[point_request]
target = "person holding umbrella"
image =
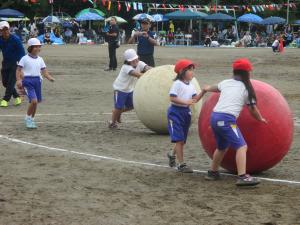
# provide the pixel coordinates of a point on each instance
(12, 51)
(146, 42)
(112, 38)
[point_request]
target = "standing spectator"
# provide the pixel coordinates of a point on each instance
(275, 45)
(171, 27)
(68, 35)
(112, 39)
(75, 30)
(146, 42)
(12, 51)
(33, 28)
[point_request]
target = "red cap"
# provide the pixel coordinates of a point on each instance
(182, 64)
(242, 64)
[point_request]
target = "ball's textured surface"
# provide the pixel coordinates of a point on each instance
(267, 143)
(151, 98)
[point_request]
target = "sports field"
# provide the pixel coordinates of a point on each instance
(73, 170)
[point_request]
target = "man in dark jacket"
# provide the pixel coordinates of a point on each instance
(12, 51)
(112, 38)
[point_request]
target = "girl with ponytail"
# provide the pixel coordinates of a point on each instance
(234, 94)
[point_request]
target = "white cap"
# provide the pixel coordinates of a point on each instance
(130, 55)
(4, 24)
(34, 42)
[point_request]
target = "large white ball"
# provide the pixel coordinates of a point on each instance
(151, 98)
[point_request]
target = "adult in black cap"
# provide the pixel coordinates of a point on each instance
(146, 42)
(113, 39)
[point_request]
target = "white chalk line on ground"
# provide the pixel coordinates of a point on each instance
(63, 114)
(18, 141)
(70, 121)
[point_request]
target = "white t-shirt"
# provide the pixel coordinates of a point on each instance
(233, 97)
(275, 43)
(125, 82)
(32, 66)
(184, 91)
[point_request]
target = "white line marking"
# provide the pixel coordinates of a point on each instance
(63, 114)
(127, 161)
(70, 121)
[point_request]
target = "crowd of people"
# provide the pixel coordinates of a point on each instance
(210, 36)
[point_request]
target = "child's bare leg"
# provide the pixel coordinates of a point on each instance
(32, 108)
(178, 149)
(123, 110)
(217, 159)
(241, 159)
(115, 115)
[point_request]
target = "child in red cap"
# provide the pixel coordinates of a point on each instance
(234, 94)
(182, 96)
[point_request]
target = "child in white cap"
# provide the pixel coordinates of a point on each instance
(123, 86)
(29, 76)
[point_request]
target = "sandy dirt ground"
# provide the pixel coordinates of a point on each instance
(47, 185)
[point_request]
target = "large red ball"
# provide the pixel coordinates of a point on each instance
(267, 143)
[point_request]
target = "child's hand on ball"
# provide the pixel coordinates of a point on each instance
(264, 120)
(191, 102)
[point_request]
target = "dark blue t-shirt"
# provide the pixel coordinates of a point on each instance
(12, 49)
(145, 47)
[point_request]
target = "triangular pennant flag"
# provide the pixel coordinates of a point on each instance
(134, 5)
(225, 8)
(119, 6)
(206, 8)
(254, 9)
(103, 2)
(140, 6)
(258, 8)
(109, 5)
(128, 6)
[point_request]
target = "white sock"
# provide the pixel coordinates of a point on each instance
(28, 117)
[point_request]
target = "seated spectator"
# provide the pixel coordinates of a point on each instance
(207, 41)
(47, 38)
(246, 40)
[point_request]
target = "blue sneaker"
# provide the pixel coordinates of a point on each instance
(30, 123)
(33, 125)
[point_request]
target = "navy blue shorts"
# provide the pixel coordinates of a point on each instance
(179, 121)
(226, 131)
(33, 88)
(123, 100)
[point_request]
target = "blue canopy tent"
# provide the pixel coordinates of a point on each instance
(88, 16)
(297, 22)
(159, 18)
(272, 20)
(220, 17)
(188, 14)
(143, 16)
(51, 19)
(250, 18)
(185, 15)
(11, 13)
